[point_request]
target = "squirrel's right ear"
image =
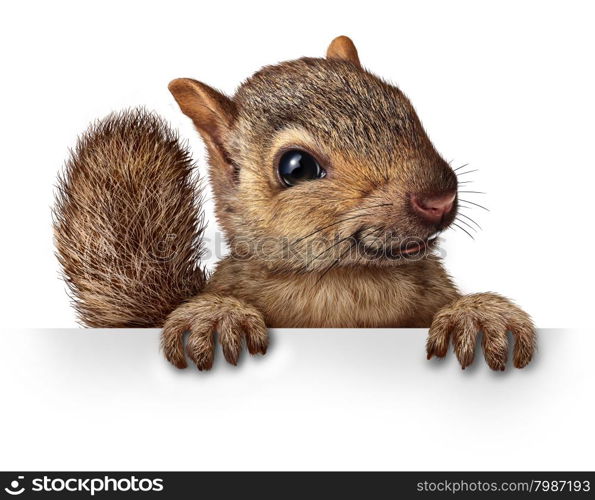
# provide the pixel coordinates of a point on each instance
(343, 48)
(210, 110)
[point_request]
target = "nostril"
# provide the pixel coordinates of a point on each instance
(433, 208)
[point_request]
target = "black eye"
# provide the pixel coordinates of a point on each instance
(297, 166)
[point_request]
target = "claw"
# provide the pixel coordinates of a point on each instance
(201, 317)
(487, 312)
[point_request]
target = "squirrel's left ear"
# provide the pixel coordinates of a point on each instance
(211, 111)
(343, 48)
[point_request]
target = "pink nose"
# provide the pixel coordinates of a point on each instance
(433, 208)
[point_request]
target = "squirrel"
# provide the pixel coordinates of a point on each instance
(329, 194)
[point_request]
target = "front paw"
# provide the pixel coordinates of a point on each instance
(231, 318)
(491, 314)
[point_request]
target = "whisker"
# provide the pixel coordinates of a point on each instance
(476, 204)
(327, 226)
(468, 172)
(340, 221)
(459, 168)
(474, 192)
(375, 206)
(463, 229)
(363, 197)
(333, 265)
(338, 199)
(469, 218)
(467, 224)
(327, 249)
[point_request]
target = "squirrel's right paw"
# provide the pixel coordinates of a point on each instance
(231, 318)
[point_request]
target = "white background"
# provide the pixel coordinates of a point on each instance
(507, 87)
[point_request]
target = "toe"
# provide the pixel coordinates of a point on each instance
(172, 341)
(230, 337)
(257, 339)
(525, 342)
(201, 347)
(523, 330)
(495, 346)
(465, 340)
(439, 336)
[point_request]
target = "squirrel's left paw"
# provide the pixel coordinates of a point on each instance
(491, 314)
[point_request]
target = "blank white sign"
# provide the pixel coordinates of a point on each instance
(339, 399)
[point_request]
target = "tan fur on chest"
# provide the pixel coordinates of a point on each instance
(339, 299)
(405, 296)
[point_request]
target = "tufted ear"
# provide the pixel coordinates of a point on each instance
(343, 48)
(211, 111)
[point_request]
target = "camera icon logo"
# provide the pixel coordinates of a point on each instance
(14, 489)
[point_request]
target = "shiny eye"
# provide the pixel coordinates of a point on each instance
(296, 166)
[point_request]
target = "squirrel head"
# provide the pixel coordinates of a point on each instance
(317, 163)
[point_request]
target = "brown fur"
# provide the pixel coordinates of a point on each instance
(127, 222)
(315, 254)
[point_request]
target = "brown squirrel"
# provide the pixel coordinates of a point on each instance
(330, 195)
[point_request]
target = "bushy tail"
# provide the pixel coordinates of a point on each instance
(128, 222)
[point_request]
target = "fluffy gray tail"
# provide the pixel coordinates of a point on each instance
(128, 222)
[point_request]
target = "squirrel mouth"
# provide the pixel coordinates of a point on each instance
(413, 247)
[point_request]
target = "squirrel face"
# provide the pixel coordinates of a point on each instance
(317, 163)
